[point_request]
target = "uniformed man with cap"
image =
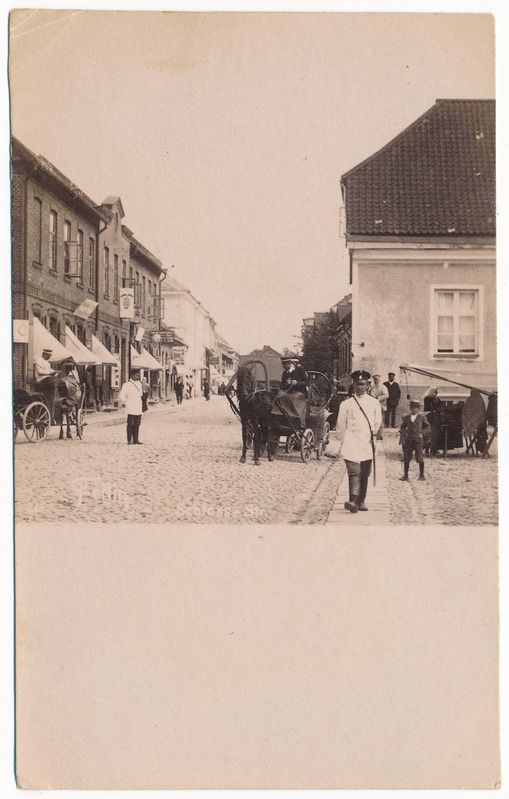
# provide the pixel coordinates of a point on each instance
(294, 377)
(45, 379)
(359, 418)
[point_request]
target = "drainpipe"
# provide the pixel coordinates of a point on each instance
(28, 312)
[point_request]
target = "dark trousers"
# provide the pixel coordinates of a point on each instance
(409, 448)
(358, 475)
(390, 416)
(133, 426)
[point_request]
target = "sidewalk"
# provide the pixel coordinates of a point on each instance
(118, 416)
(377, 499)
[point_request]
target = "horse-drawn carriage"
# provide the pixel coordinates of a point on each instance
(60, 403)
(277, 418)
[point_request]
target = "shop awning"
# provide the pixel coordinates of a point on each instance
(140, 360)
(155, 365)
(44, 340)
(80, 353)
(102, 354)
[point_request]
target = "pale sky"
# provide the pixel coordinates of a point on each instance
(226, 134)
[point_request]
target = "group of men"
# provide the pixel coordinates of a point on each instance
(359, 423)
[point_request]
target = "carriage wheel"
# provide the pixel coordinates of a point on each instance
(36, 421)
(307, 445)
(79, 423)
(290, 443)
(326, 436)
(319, 451)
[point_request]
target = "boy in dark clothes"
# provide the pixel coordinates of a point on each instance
(411, 438)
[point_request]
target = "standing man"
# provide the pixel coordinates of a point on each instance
(131, 396)
(411, 439)
(359, 418)
(379, 392)
(392, 401)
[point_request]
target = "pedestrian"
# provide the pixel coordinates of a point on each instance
(412, 431)
(431, 400)
(379, 392)
(131, 396)
(359, 419)
(145, 390)
(392, 400)
(206, 389)
(431, 406)
(179, 390)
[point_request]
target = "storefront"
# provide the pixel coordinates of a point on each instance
(105, 377)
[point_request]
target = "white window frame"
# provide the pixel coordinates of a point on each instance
(456, 288)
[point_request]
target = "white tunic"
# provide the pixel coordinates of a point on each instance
(130, 396)
(353, 427)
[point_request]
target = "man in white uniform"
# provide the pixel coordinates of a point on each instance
(358, 422)
(130, 396)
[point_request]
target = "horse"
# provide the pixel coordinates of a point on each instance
(69, 399)
(254, 407)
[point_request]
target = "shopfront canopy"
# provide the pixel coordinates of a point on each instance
(140, 360)
(102, 354)
(155, 365)
(80, 353)
(44, 340)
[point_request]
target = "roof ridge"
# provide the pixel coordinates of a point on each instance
(404, 132)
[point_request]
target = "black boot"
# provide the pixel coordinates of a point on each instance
(421, 472)
(407, 466)
(353, 504)
(354, 490)
(364, 491)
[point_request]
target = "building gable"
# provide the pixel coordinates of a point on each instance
(437, 178)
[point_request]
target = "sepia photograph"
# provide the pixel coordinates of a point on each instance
(261, 246)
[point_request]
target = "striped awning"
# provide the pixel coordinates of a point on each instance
(43, 339)
(80, 353)
(102, 354)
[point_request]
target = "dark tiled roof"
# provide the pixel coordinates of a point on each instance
(437, 178)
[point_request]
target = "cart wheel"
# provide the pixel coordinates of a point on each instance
(79, 423)
(36, 421)
(290, 443)
(319, 451)
(326, 436)
(307, 445)
(15, 432)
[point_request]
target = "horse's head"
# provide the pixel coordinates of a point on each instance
(246, 384)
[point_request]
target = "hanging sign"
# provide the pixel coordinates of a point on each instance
(84, 310)
(20, 328)
(127, 302)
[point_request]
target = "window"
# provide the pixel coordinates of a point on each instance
(115, 277)
(457, 321)
(67, 238)
(91, 263)
(124, 272)
(106, 271)
(53, 220)
(38, 234)
(54, 327)
(79, 256)
(143, 297)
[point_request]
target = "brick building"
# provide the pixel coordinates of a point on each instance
(67, 249)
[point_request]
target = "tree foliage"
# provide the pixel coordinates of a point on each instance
(318, 348)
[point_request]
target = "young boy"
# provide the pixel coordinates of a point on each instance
(411, 438)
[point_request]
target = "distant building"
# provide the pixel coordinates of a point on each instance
(199, 357)
(270, 357)
(420, 228)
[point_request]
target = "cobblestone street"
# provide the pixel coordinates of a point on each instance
(188, 470)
